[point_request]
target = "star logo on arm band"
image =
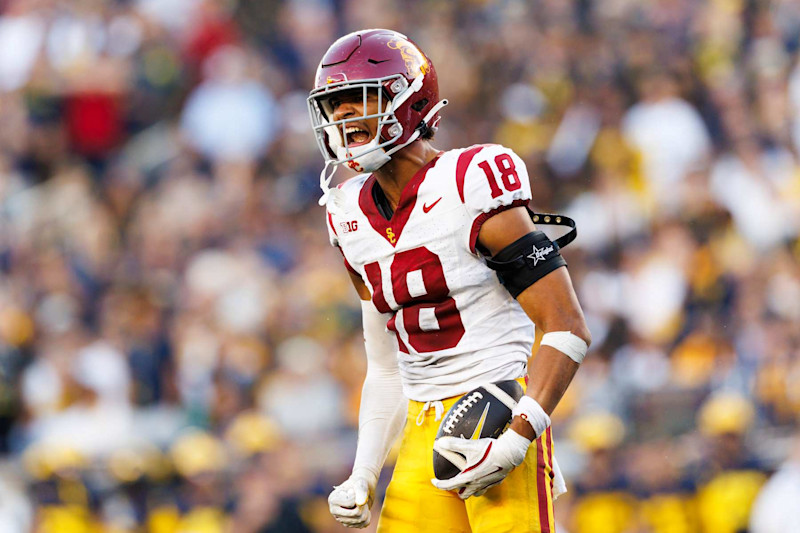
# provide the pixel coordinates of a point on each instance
(539, 254)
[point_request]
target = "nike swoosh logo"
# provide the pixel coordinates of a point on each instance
(477, 433)
(426, 208)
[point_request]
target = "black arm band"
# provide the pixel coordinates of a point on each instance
(525, 261)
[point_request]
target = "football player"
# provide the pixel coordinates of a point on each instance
(418, 229)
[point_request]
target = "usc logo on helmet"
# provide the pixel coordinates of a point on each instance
(413, 58)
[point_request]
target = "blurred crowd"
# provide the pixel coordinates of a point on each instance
(180, 348)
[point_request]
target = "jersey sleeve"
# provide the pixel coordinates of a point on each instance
(333, 237)
(490, 179)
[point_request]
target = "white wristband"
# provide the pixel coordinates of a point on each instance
(529, 409)
(567, 343)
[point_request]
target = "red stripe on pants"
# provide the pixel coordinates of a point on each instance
(541, 487)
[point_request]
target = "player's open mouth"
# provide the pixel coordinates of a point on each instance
(356, 136)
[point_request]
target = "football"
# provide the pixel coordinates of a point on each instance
(482, 412)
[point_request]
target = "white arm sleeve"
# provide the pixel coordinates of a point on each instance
(382, 414)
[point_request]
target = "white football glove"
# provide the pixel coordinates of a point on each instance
(488, 461)
(350, 502)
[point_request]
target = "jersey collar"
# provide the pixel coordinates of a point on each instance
(392, 228)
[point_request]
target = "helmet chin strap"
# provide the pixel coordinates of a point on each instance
(325, 181)
(332, 198)
(365, 158)
(435, 109)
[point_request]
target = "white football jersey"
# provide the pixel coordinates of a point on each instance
(457, 327)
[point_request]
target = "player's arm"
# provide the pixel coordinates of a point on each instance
(544, 290)
(552, 305)
(383, 407)
(380, 418)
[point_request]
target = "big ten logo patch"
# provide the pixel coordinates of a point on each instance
(412, 57)
(350, 226)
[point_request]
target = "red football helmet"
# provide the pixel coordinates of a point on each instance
(383, 62)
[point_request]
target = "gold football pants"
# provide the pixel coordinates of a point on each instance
(521, 503)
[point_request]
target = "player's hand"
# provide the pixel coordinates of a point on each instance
(350, 502)
(488, 461)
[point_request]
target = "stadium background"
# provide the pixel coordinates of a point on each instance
(180, 347)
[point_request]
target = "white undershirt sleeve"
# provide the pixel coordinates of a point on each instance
(383, 407)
